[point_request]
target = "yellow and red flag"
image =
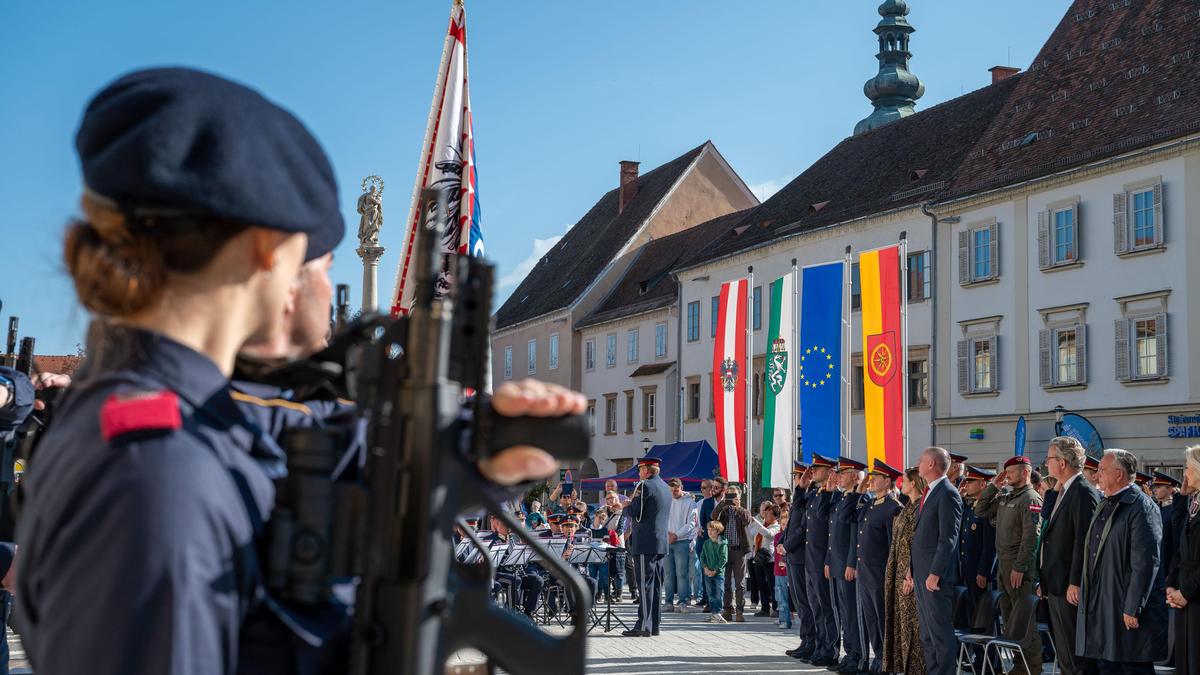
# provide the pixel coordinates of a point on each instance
(883, 354)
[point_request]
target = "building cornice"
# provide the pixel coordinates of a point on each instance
(549, 317)
(618, 322)
(1170, 150)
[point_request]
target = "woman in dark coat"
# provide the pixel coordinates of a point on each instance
(1183, 583)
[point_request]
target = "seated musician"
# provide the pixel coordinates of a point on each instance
(523, 583)
(555, 531)
(574, 538)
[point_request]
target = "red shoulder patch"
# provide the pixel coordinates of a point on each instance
(1035, 508)
(145, 411)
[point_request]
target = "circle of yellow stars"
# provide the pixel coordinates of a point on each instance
(817, 352)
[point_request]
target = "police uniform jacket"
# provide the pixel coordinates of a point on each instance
(649, 511)
(794, 536)
(166, 484)
(816, 512)
(976, 547)
(1017, 515)
(876, 516)
(842, 527)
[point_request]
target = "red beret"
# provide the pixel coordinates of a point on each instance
(1015, 461)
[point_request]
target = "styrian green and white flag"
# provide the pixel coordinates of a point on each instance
(779, 425)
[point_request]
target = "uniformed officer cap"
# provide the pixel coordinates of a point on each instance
(1142, 479)
(881, 468)
(1017, 461)
(955, 457)
(554, 518)
(1092, 463)
(975, 473)
(799, 467)
(1163, 480)
(472, 521)
(570, 521)
(173, 148)
(649, 461)
(847, 464)
(821, 461)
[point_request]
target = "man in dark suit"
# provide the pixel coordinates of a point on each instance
(1122, 620)
(649, 509)
(935, 562)
(1064, 535)
(793, 544)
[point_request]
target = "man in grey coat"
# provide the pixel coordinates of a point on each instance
(649, 510)
(935, 562)
(1122, 621)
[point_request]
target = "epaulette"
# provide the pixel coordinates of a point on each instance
(145, 411)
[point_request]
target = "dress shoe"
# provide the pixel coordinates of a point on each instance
(636, 633)
(824, 662)
(762, 612)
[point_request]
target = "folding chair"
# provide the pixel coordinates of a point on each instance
(981, 631)
(1009, 646)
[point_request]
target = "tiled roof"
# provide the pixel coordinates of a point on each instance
(579, 257)
(1114, 76)
(648, 284)
(906, 162)
(64, 365)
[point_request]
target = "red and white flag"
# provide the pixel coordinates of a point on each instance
(729, 379)
(447, 164)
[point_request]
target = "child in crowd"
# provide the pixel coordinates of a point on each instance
(714, 557)
(781, 578)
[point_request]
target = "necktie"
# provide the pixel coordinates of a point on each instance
(924, 494)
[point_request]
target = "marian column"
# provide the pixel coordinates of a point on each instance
(370, 208)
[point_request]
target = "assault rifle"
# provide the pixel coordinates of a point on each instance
(413, 379)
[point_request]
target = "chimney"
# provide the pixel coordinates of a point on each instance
(629, 178)
(1002, 73)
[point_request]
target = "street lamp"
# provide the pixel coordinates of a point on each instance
(646, 443)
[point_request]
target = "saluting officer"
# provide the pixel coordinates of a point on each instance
(843, 526)
(873, 543)
(957, 471)
(794, 539)
(1091, 468)
(1017, 514)
(977, 543)
(816, 512)
(649, 509)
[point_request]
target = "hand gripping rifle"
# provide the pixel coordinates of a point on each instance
(412, 376)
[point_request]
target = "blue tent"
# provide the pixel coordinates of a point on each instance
(690, 462)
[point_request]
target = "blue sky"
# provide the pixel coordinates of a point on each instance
(561, 93)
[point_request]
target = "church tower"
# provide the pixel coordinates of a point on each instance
(894, 90)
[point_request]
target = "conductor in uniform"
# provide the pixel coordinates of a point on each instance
(649, 510)
(816, 547)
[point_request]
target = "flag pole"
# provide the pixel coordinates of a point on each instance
(847, 345)
(749, 381)
(792, 367)
(904, 335)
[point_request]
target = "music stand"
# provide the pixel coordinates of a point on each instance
(598, 553)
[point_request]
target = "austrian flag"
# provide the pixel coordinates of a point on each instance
(447, 164)
(729, 379)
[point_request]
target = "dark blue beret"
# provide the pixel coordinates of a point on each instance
(173, 144)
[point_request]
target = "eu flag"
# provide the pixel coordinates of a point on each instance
(820, 354)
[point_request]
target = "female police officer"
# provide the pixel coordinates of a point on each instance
(138, 547)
